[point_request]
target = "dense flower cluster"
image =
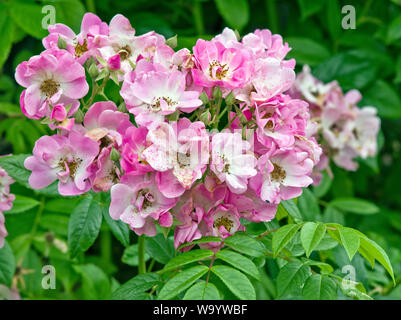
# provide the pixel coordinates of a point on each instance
(6, 202)
(345, 131)
(201, 140)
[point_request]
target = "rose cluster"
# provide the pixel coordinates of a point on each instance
(344, 131)
(200, 139)
(6, 202)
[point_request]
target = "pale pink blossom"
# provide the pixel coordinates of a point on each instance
(137, 202)
(179, 151)
(82, 45)
(231, 161)
(50, 77)
(63, 158)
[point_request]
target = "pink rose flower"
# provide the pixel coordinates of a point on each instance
(50, 77)
(63, 158)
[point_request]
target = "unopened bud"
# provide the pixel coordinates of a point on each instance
(115, 155)
(93, 70)
(230, 99)
(79, 116)
(61, 43)
(217, 94)
(204, 98)
(206, 117)
(172, 42)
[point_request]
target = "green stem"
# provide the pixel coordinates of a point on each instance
(198, 17)
(272, 15)
(141, 255)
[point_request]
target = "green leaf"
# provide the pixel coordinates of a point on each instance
(324, 267)
(118, 228)
(309, 7)
(56, 223)
(84, 225)
(334, 18)
(318, 287)
(308, 206)
(159, 248)
(7, 265)
(187, 257)
(14, 165)
(307, 51)
(350, 241)
(20, 10)
(62, 205)
(240, 262)
(397, 78)
(21, 204)
(355, 205)
(282, 236)
(6, 33)
(311, 235)
(291, 277)
(181, 281)
(246, 244)
(237, 282)
(394, 30)
(383, 97)
(135, 289)
(202, 291)
(202, 240)
(324, 186)
(95, 284)
(368, 246)
(234, 12)
(130, 255)
(352, 69)
(292, 209)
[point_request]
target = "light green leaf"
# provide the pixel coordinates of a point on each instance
(237, 282)
(240, 262)
(7, 265)
(118, 228)
(135, 289)
(355, 205)
(333, 18)
(6, 33)
(95, 284)
(318, 287)
(292, 209)
(246, 244)
(159, 248)
(181, 281)
(84, 225)
(187, 257)
(21, 204)
(282, 236)
(308, 206)
(130, 255)
(202, 240)
(234, 12)
(371, 248)
(309, 7)
(202, 291)
(291, 277)
(383, 97)
(307, 51)
(311, 235)
(350, 241)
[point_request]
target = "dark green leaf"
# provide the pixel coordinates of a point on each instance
(234, 12)
(291, 277)
(135, 289)
(202, 291)
(245, 244)
(318, 287)
(7, 265)
(159, 248)
(240, 262)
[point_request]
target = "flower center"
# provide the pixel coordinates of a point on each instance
(225, 222)
(125, 52)
(217, 70)
(278, 173)
(72, 165)
(49, 87)
(80, 49)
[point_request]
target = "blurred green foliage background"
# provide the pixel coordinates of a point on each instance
(367, 58)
